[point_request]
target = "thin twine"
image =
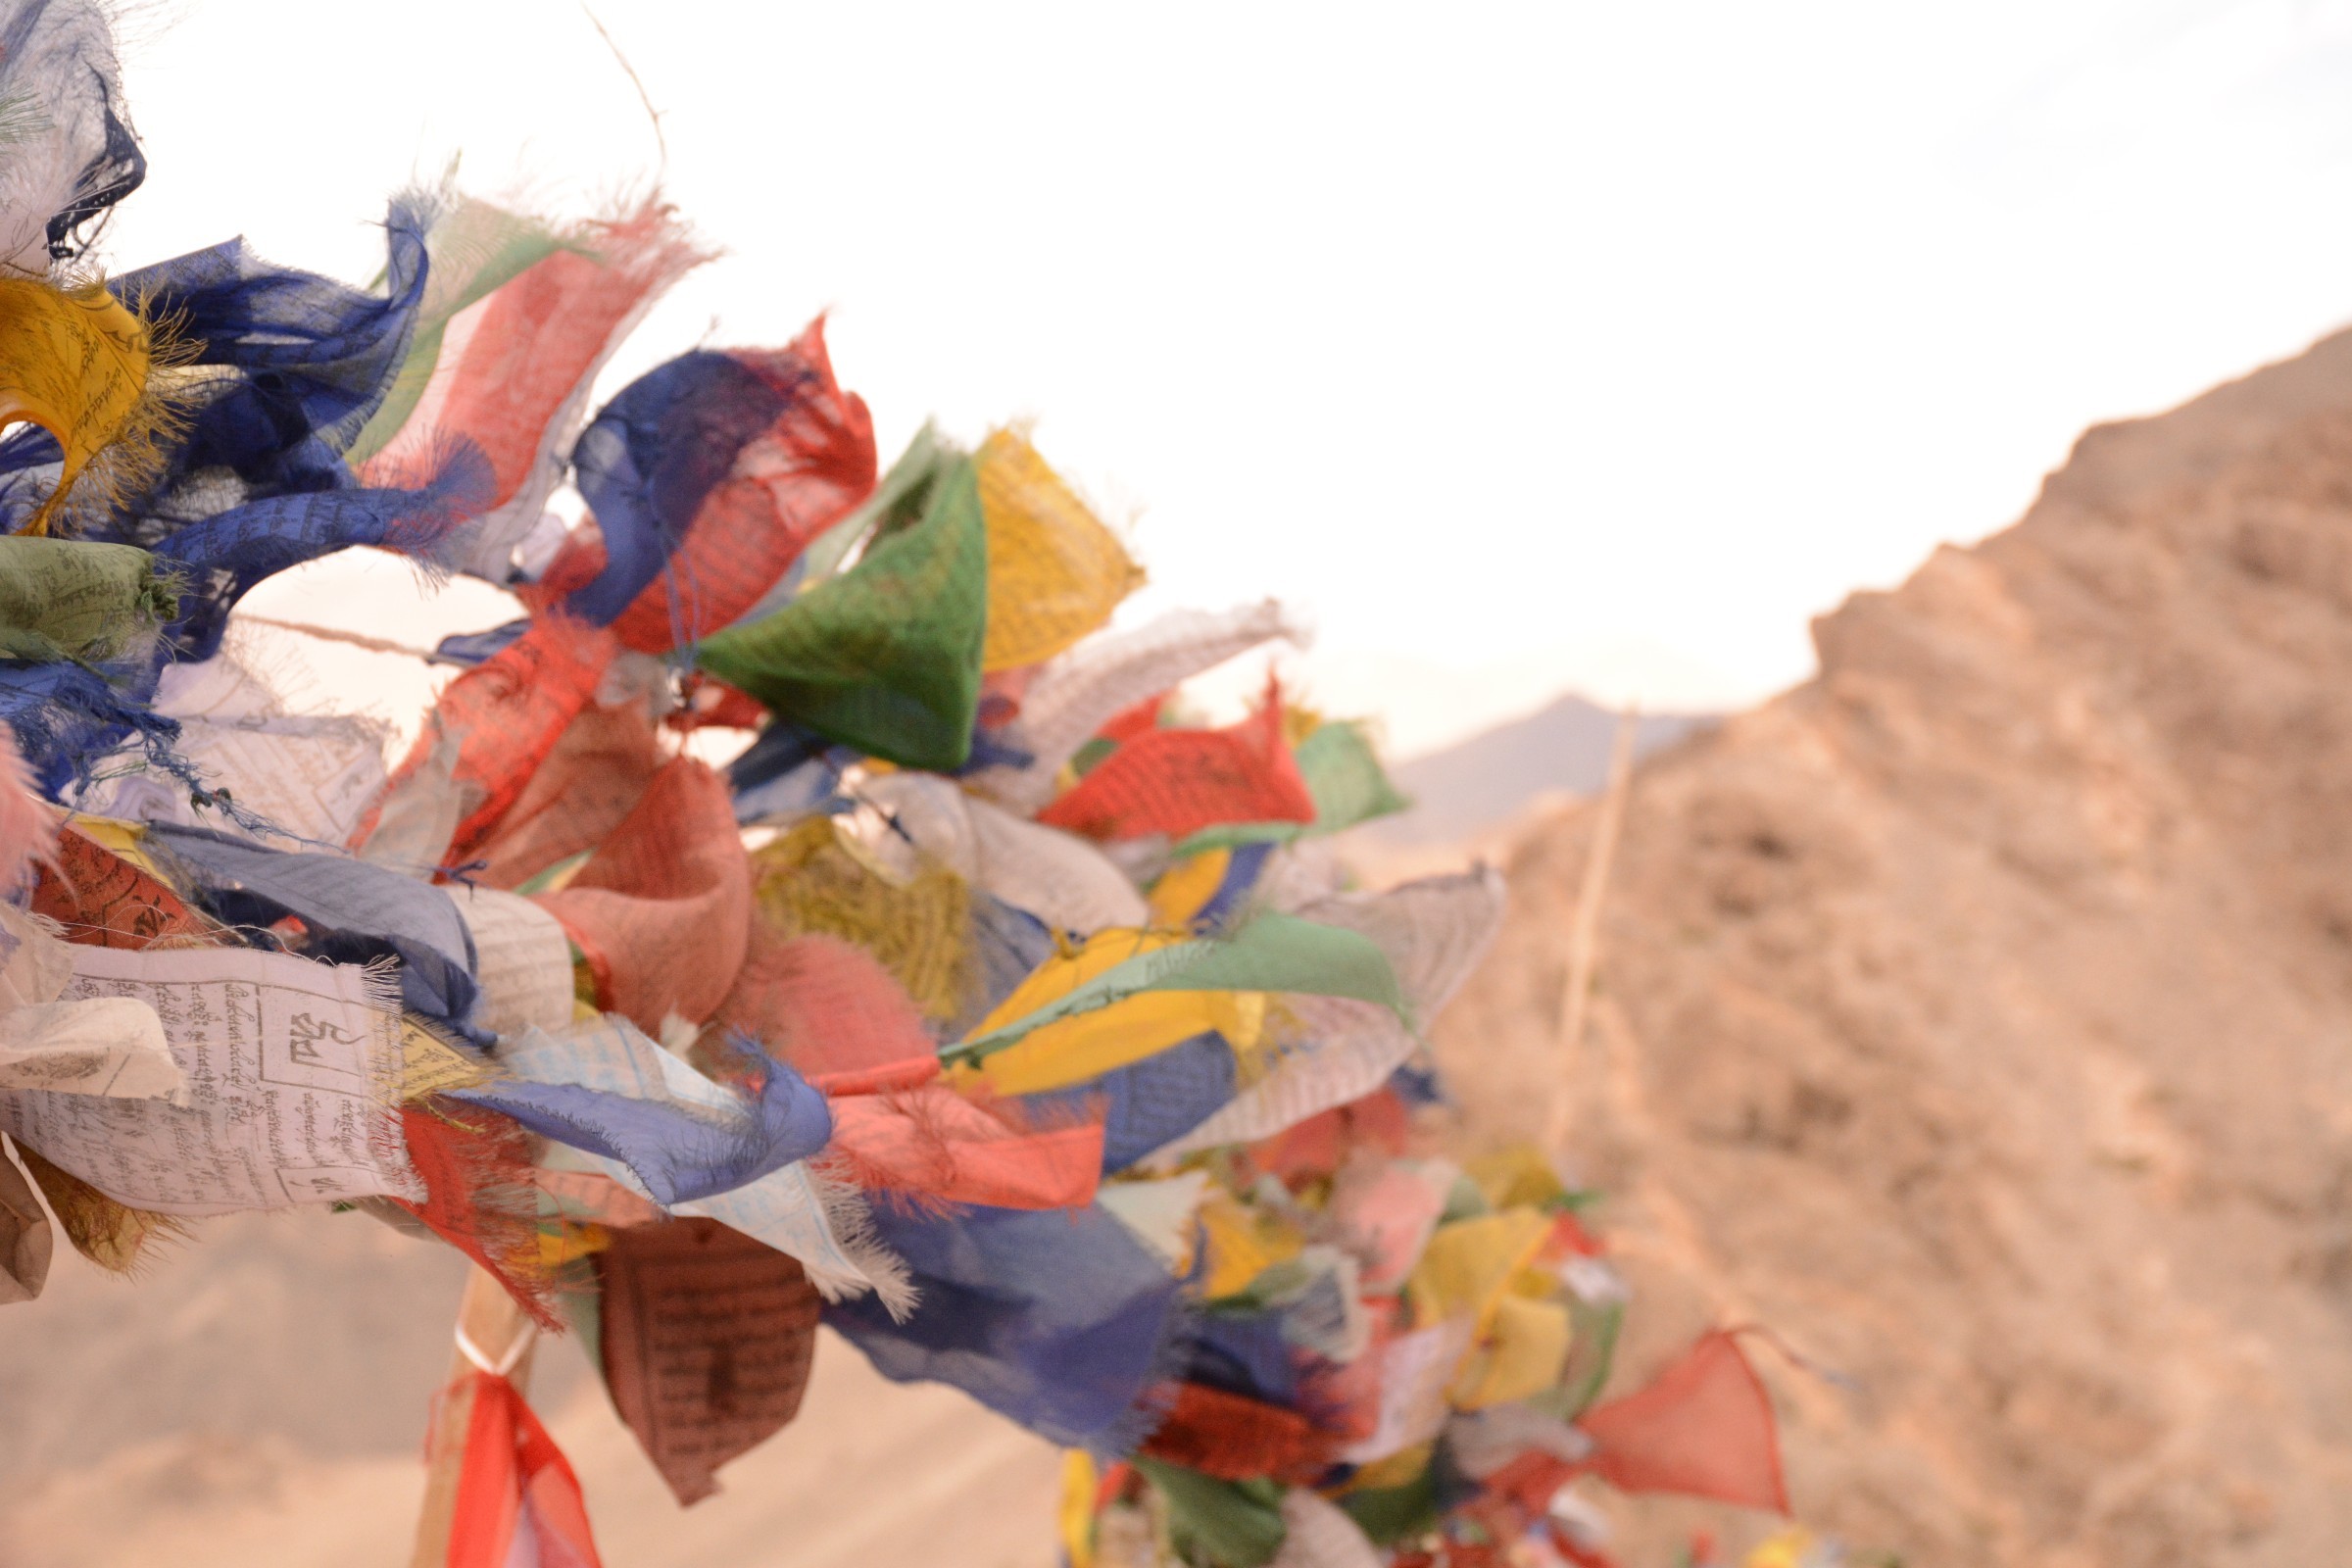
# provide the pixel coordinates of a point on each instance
(1585, 938)
(661, 142)
(374, 645)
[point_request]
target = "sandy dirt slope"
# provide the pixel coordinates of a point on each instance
(872, 1476)
(1980, 1016)
(259, 1399)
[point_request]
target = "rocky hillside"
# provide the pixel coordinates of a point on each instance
(1978, 1015)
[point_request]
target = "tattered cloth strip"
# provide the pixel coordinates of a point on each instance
(1269, 953)
(28, 827)
(473, 248)
(71, 154)
(1075, 694)
(1178, 781)
(229, 553)
(114, 1236)
(607, 1090)
(1151, 1102)
(933, 1143)
(24, 1239)
(476, 1167)
(605, 1086)
(503, 717)
(294, 1072)
(508, 373)
(290, 367)
(708, 477)
(590, 781)
(517, 1500)
(1059, 878)
(75, 363)
(1344, 779)
(1330, 1051)
(1434, 932)
(706, 1338)
(71, 1044)
(523, 961)
(308, 777)
(1703, 1428)
(70, 720)
(1234, 1438)
(663, 909)
(251, 884)
(66, 599)
(886, 656)
(810, 883)
(1062, 1322)
(830, 1010)
(101, 900)
(1043, 1042)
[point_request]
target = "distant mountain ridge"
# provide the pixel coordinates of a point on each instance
(1484, 782)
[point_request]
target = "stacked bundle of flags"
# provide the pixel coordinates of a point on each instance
(984, 1006)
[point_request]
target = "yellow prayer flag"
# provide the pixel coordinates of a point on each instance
(1398, 1468)
(1788, 1549)
(1516, 1176)
(74, 362)
(431, 1065)
(1054, 573)
(1072, 1050)
(125, 840)
(1185, 889)
(1087, 1045)
(1077, 1512)
(566, 1244)
(1527, 1347)
(1467, 1267)
(1243, 1243)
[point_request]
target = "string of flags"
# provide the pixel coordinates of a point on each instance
(986, 1006)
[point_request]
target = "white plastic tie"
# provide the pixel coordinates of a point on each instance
(505, 1363)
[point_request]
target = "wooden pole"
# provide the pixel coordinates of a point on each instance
(1584, 939)
(494, 1328)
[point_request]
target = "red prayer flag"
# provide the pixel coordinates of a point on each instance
(663, 909)
(1703, 1428)
(518, 1499)
(1178, 781)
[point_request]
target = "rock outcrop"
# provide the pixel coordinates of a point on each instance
(1978, 1016)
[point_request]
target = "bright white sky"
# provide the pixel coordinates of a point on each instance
(1526, 347)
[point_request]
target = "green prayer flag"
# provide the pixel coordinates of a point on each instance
(1269, 952)
(1388, 1515)
(1345, 776)
(72, 599)
(1231, 1524)
(884, 657)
